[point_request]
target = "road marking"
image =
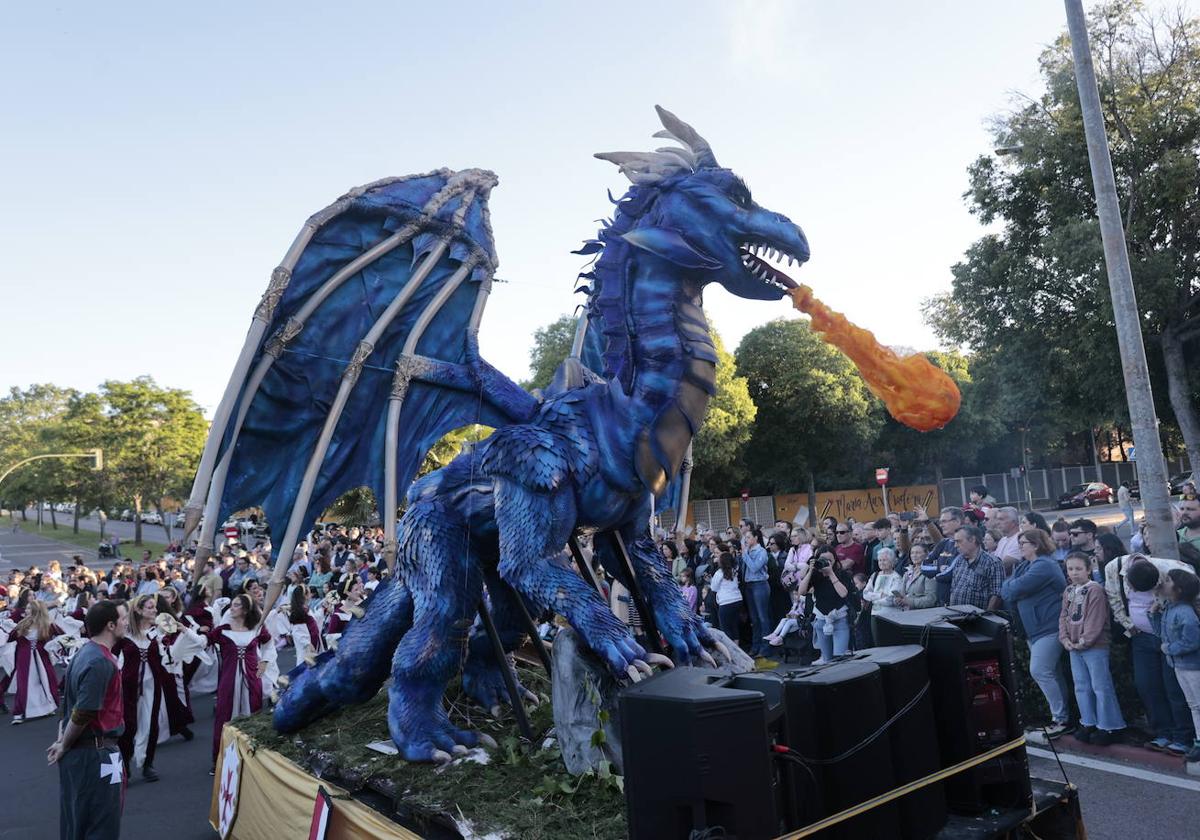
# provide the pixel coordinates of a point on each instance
(1118, 769)
(21, 545)
(43, 551)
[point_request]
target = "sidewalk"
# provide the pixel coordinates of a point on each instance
(1124, 753)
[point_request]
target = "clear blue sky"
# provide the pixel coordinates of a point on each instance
(159, 158)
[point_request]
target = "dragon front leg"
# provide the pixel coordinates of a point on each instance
(534, 526)
(443, 575)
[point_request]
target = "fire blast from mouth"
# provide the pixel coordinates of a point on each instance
(916, 392)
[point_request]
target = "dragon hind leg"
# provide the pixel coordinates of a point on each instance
(359, 667)
(444, 578)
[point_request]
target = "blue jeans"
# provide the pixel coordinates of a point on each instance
(1128, 520)
(1166, 707)
(758, 593)
(831, 645)
(1044, 655)
(1094, 690)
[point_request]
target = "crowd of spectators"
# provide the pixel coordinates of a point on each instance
(1069, 587)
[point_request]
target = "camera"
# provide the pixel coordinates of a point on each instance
(820, 563)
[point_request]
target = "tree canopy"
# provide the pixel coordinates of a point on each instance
(815, 413)
(1033, 298)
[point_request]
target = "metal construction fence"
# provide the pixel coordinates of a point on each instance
(1045, 485)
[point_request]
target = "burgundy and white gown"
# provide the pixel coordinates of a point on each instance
(142, 678)
(180, 650)
(200, 675)
(34, 685)
(8, 650)
(240, 688)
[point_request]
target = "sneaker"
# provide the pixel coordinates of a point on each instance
(18, 719)
(1103, 737)
(1056, 729)
(212, 771)
(187, 733)
(1193, 755)
(1176, 748)
(776, 642)
(1157, 744)
(1086, 734)
(149, 774)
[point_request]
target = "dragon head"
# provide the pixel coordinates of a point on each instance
(700, 217)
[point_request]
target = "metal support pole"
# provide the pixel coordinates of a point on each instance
(635, 590)
(1124, 302)
(510, 679)
(530, 628)
(585, 569)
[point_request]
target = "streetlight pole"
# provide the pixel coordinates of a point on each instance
(1120, 286)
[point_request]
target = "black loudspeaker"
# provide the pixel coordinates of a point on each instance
(829, 710)
(913, 736)
(698, 755)
(974, 699)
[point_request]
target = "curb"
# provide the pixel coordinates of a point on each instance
(1122, 752)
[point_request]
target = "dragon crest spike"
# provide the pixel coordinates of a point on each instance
(688, 136)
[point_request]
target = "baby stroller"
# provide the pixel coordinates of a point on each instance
(105, 551)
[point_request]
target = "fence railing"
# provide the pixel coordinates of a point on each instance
(1045, 485)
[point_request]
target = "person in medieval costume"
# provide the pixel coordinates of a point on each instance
(142, 678)
(245, 649)
(34, 682)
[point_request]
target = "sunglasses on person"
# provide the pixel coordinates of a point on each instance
(841, 531)
(1075, 533)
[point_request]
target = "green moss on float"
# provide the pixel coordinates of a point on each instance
(523, 792)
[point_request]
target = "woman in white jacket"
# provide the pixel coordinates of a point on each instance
(884, 585)
(724, 585)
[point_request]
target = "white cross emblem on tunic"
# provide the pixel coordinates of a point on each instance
(114, 769)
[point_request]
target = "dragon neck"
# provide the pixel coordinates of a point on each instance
(673, 365)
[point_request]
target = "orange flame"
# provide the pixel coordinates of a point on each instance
(916, 392)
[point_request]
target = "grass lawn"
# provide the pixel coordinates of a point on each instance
(84, 539)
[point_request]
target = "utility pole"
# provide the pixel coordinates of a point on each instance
(1152, 468)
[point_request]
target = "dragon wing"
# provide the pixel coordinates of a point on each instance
(361, 355)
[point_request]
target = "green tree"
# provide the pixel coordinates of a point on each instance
(1036, 292)
(153, 438)
(29, 425)
(816, 417)
(718, 450)
(551, 344)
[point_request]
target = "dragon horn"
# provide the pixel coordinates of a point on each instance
(688, 136)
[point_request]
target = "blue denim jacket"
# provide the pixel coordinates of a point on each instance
(1179, 628)
(754, 564)
(1035, 590)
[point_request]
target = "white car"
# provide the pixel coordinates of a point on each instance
(150, 517)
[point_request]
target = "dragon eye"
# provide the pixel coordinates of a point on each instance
(741, 197)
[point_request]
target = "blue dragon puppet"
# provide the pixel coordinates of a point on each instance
(363, 353)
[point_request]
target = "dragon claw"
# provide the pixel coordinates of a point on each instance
(644, 668)
(531, 698)
(706, 657)
(724, 651)
(659, 659)
(459, 749)
(634, 673)
(495, 710)
(440, 757)
(487, 741)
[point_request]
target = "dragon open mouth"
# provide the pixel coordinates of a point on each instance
(755, 256)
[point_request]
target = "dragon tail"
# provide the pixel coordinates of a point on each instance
(357, 669)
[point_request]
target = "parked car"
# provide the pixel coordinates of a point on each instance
(1085, 495)
(127, 515)
(1177, 482)
(151, 517)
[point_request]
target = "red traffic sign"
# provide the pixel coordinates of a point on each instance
(881, 476)
(232, 533)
